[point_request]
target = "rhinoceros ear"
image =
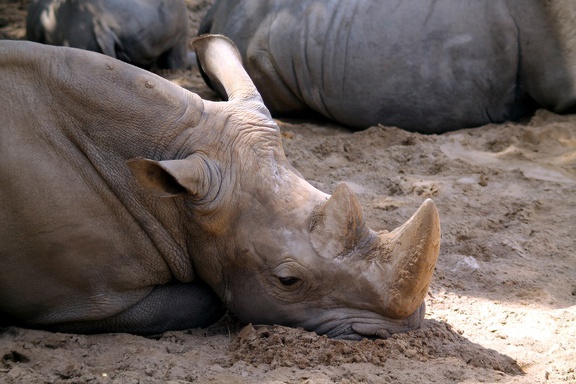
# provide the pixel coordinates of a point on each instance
(169, 178)
(338, 225)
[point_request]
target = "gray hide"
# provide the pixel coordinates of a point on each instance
(422, 65)
(130, 204)
(140, 32)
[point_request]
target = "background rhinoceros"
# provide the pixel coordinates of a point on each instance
(130, 204)
(427, 66)
(141, 32)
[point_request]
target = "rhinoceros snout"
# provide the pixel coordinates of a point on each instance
(401, 262)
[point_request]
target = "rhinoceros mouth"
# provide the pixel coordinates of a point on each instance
(360, 325)
(387, 327)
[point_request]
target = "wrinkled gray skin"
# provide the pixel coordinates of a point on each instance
(140, 32)
(132, 205)
(423, 65)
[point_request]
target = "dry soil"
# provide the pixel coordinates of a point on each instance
(502, 302)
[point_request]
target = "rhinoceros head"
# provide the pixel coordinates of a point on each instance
(274, 248)
(311, 262)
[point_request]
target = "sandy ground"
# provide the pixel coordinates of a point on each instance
(502, 303)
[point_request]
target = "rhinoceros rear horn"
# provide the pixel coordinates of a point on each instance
(222, 63)
(338, 225)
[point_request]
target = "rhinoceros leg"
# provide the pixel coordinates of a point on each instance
(168, 307)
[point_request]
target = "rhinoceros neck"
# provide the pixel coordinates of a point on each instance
(155, 220)
(124, 110)
(99, 149)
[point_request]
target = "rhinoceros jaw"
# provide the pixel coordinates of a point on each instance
(410, 253)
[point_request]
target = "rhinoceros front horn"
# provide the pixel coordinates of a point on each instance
(410, 253)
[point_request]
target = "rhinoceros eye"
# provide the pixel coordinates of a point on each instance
(288, 280)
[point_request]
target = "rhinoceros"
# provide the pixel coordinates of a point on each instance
(129, 204)
(423, 65)
(145, 33)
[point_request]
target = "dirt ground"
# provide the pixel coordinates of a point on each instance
(502, 303)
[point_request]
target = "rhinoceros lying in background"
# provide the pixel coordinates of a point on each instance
(132, 205)
(422, 65)
(140, 32)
